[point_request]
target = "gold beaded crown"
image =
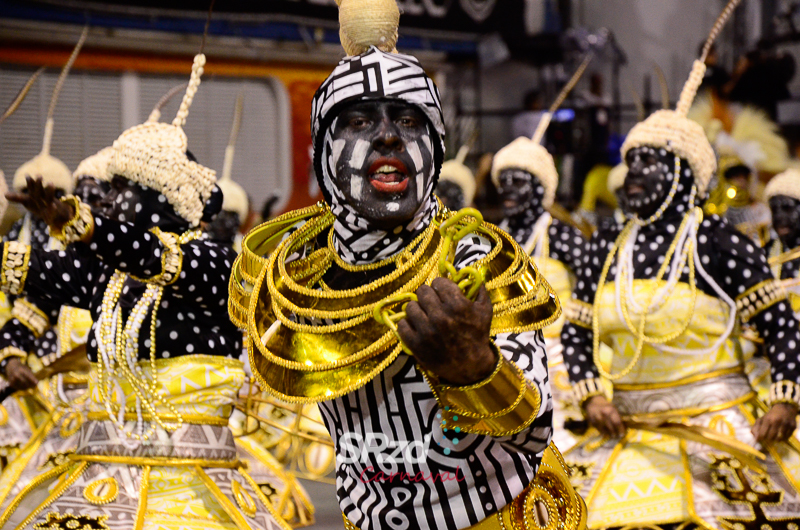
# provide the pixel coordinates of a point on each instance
(51, 170)
(95, 166)
(234, 198)
(456, 172)
(529, 155)
(786, 183)
(672, 130)
(154, 155)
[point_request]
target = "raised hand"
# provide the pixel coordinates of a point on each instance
(449, 334)
(42, 202)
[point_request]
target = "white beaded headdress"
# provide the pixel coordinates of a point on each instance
(95, 166)
(52, 170)
(154, 155)
(616, 177)
(234, 198)
(786, 183)
(530, 155)
(672, 130)
(456, 172)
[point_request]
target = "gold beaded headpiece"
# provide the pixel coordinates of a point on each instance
(234, 198)
(786, 183)
(673, 131)
(51, 170)
(154, 155)
(530, 155)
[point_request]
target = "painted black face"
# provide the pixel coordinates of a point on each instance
(519, 191)
(383, 155)
(91, 191)
(786, 219)
(650, 177)
(122, 202)
(451, 194)
(224, 227)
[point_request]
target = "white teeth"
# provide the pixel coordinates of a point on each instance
(387, 170)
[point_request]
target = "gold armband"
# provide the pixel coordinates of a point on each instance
(784, 392)
(30, 316)
(587, 389)
(579, 313)
(12, 351)
(171, 257)
(16, 260)
(758, 298)
(503, 404)
(80, 224)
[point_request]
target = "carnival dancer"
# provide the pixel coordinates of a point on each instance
(420, 444)
(28, 411)
(677, 445)
(526, 178)
(156, 448)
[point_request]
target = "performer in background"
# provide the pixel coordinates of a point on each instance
(665, 292)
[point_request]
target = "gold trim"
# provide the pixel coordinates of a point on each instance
(30, 316)
(141, 510)
(14, 269)
(672, 384)
(92, 497)
(606, 468)
(12, 351)
(59, 490)
(243, 499)
(165, 461)
(690, 411)
(194, 419)
(263, 498)
(222, 499)
(195, 358)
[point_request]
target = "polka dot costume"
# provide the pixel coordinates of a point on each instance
(734, 262)
(192, 317)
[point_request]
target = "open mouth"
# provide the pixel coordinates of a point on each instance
(388, 175)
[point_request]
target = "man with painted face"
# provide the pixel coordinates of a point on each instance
(526, 179)
(665, 292)
(783, 196)
(419, 443)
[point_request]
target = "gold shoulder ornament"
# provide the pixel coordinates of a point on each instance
(309, 343)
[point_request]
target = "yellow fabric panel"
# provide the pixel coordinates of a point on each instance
(562, 281)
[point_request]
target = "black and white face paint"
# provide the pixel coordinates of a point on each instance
(519, 192)
(649, 181)
(129, 202)
(382, 161)
(786, 219)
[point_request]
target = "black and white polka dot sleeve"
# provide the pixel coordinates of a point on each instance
(576, 335)
(63, 277)
(567, 245)
(201, 268)
(740, 268)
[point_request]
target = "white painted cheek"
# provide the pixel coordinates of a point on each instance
(392, 206)
(416, 155)
(426, 141)
(356, 182)
(420, 188)
(359, 154)
(336, 151)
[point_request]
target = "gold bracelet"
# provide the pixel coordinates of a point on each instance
(12, 351)
(784, 392)
(171, 256)
(81, 223)
(14, 272)
(30, 316)
(587, 389)
(501, 405)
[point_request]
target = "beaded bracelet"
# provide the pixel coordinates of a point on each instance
(579, 313)
(14, 271)
(584, 390)
(30, 316)
(784, 392)
(10, 352)
(81, 223)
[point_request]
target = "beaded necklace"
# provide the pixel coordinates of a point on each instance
(118, 356)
